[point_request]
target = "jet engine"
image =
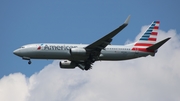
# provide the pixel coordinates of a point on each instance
(67, 64)
(77, 51)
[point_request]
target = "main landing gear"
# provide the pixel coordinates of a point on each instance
(89, 62)
(87, 66)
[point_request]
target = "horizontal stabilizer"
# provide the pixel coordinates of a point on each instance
(157, 45)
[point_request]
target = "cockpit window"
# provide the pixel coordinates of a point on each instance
(22, 47)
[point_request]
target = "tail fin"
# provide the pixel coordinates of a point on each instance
(147, 42)
(149, 37)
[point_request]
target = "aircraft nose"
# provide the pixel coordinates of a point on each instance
(16, 52)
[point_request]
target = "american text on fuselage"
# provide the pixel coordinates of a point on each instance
(58, 47)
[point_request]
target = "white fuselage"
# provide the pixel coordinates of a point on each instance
(62, 51)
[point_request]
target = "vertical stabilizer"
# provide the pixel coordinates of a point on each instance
(148, 38)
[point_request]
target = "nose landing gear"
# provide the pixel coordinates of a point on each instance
(27, 58)
(29, 62)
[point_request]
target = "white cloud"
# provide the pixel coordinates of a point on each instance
(146, 79)
(13, 87)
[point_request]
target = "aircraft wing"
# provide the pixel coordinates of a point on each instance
(94, 49)
(104, 41)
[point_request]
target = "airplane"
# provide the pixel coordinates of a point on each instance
(84, 55)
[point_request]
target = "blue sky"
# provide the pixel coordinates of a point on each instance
(23, 22)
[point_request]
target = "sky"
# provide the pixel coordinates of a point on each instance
(148, 78)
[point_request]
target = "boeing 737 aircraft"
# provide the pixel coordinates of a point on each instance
(84, 55)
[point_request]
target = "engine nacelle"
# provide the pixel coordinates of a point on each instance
(77, 51)
(67, 64)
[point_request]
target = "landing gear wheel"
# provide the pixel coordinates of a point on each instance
(87, 67)
(29, 62)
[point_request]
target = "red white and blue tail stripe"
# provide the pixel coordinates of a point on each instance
(148, 38)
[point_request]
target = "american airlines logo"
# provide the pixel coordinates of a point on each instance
(55, 47)
(39, 47)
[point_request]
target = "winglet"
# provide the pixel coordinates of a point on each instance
(127, 20)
